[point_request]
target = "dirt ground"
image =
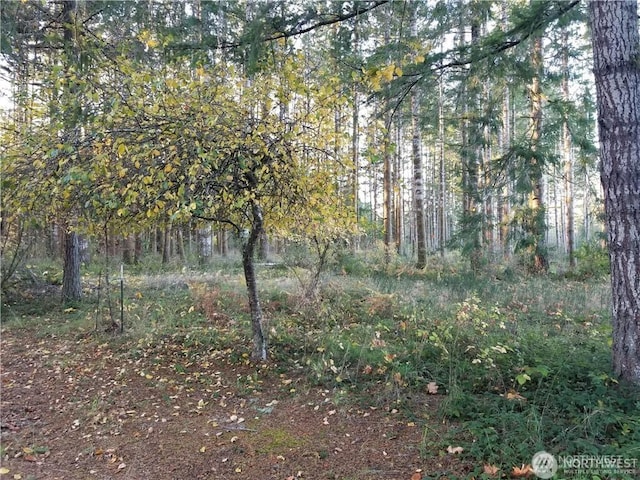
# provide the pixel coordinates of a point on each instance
(75, 408)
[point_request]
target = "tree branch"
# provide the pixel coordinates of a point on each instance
(298, 30)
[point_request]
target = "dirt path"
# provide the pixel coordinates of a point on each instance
(76, 409)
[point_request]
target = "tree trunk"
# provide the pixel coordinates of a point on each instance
(442, 198)
(472, 154)
(71, 285)
(129, 250)
(536, 223)
(567, 155)
(387, 187)
(248, 250)
(166, 244)
(418, 186)
(418, 167)
(616, 51)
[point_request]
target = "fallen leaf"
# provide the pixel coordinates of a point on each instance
(513, 395)
(122, 465)
(203, 449)
(454, 450)
(432, 388)
(416, 476)
(523, 471)
(27, 450)
(490, 470)
(4, 471)
(30, 458)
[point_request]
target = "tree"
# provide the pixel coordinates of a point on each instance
(616, 54)
(418, 167)
(535, 224)
(71, 104)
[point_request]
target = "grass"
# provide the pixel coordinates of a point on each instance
(521, 363)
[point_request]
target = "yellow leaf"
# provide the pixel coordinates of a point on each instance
(398, 71)
(387, 72)
(4, 470)
(420, 59)
(122, 149)
(203, 449)
(168, 168)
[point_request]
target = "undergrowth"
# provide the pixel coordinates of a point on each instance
(518, 364)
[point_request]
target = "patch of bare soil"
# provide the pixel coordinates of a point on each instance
(76, 409)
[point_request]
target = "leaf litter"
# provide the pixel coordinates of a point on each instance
(126, 409)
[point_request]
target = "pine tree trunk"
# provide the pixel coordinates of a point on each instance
(536, 222)
(418, 185)
(442, 198)
(387, 187)
(396, 182)
(71, 285)
(567, 156)
(616, 51)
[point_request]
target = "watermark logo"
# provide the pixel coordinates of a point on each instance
(544, 465)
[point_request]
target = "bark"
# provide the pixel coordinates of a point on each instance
(472, 154)
(418, 167)
(536, 224)
(166, 244)
(355, 139)
(248, 251)
(129, 250)
(616, 52)
(396, 182)
(418, 186)
(568, 158)
(442, 236)
(387, 187)
(503, 198)
(71, 285)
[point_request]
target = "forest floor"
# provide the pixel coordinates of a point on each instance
(435, 375)
(75, 408)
